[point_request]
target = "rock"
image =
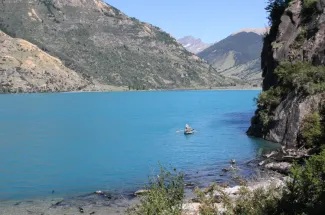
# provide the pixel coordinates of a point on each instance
(217, 199)
(99, 192)
(281, 45)
(233, 161)
(29, 69)
(141, 192)
(195, 200)
(261, 163)
(189, 185)
(282, 167)
(270, 154)
(225, 169)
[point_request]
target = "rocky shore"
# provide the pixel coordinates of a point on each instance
(100, 202)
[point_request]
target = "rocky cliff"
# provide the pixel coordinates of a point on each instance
(293, 60)
(99, 42)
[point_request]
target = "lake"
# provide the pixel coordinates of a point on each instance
(75, 143)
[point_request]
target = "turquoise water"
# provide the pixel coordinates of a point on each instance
(81, 142)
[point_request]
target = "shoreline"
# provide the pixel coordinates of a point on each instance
(122, 89)
(118, 203)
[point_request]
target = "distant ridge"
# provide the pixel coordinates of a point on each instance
(260, 31)
(99, 42)
(192, 44)
(238, 55)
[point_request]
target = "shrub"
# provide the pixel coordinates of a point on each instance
(311, 130)
(301, 77)
(275, 9)
(165, 195)
(253, 202)
(305, 192)
(208, 200)
(309, 4)
(259, 201)
(270, 98)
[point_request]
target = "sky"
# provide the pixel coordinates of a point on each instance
(210, 20)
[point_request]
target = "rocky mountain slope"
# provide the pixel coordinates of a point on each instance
(238, 55)
(291, 108)
(99, 42)
(26, 68)
(192, 44)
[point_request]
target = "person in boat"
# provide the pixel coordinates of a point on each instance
(188, 128)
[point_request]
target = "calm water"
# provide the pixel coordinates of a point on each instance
(82, 142)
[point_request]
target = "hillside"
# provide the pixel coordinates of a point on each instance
(99, 42)
(290, 110)
(192, 44)
(237, 56)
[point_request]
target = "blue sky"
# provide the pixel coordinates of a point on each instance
(210, 20)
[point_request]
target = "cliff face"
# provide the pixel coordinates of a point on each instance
(299, 37)
(98, 41)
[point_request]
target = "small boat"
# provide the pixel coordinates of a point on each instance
(188, 130)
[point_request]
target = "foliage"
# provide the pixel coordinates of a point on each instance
(305, 192)
(165, 195)
(259, 201)
(309, 3)
(207, 200)
(311, 130)
(301, 77)
(253, 202)
(302, 193)
(275, 9)
(269, 99)
(166, 38)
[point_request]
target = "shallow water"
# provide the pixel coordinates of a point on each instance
(76, 143)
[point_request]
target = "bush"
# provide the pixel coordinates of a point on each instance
(208, 200)
(311, 130)
(165, 195)
(269, 99)
(275, 9)
(309, 4)
(247, 202)
(301, 77)
(305, 192)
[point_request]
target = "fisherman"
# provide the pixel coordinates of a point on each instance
(188, 128)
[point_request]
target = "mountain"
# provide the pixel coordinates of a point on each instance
(290, 110)
(238, 55)
(106, 47)
(193, 44)
(26, 68)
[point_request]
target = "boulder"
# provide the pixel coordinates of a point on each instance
(282, 167)
(141, 192)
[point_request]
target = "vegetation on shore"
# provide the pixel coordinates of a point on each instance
(302, 193)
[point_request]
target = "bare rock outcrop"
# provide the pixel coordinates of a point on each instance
(26, 68)
(297, 38)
